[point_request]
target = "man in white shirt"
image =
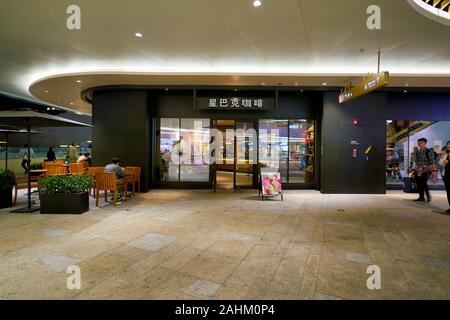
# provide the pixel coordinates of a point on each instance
(26, 157)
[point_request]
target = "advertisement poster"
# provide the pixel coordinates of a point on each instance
(271, 183)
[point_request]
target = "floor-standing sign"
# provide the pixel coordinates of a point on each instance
(271, 185)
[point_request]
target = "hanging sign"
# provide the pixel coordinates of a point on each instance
(368, 84)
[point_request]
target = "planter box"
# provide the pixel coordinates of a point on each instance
(6, 198)
(65, 203)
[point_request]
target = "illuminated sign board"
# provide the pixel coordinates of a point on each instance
(235, 103)
(368, 84)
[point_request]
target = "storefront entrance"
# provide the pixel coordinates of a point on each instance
(235, 168)
(228, 153)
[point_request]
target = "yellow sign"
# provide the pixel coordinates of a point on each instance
(370, 83)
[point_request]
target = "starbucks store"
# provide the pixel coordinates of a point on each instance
(224, 137)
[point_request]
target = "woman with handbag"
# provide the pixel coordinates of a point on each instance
(445, 162)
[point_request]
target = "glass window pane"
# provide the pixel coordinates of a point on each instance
(397, 151)
(169, 149)
(273, 146)
(436, 132)
(194, 153)
(301, 151)
(246, 153)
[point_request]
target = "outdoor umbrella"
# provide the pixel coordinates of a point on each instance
(28, 119)
(7, 132)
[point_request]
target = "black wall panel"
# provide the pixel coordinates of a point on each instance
(340, 171)
(121, 129)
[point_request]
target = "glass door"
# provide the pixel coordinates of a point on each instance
(245, 154)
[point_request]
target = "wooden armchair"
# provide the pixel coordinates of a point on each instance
(92, 172)
(76, 169)
(135, 178)
(107, 181)
(22, 183)
(56, 169)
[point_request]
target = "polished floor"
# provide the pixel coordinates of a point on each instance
(194, 244)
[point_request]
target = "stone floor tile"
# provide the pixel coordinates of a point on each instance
(202, 289)
(152, 241)
(357, 257)
(58, 262)
(55, 232)
(227, 245)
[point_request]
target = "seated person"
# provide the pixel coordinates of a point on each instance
(82, 158)
(120, 174)
(50, 155)
(88, 158)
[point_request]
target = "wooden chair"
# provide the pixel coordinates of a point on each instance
(131, 179)
(22, 183)
(107, 181)
(46, 163)
(136, 176)
(56, 169)
(92, 172)
(76, 168)
(85, 167)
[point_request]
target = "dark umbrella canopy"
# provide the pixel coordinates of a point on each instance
(28, 119)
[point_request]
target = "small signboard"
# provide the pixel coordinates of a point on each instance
(235, 103)
(271, 185)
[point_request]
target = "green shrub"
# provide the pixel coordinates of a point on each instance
(7, 179)
(65, 184)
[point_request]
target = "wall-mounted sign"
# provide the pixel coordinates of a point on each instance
(368, 84)
(235, 103)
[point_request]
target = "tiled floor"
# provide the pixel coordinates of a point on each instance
(194, 244)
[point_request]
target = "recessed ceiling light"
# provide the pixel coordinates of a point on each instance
(46, 91)
(138, 35)
(235, 90)
(301, 90)
(167, 89)
(71, 103)
(405, 91)
(296, 84)
(263, 83)
(324, 83)
(78, 81)
(257, 3)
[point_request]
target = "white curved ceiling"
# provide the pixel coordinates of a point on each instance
(231, 37)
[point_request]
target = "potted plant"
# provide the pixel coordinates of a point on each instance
(7, 182)
(65, 194)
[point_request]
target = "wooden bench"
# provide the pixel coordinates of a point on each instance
(22, 183)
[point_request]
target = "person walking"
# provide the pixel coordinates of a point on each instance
(72, 153)
(424, 165)
(445, 162)
(26, 157)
